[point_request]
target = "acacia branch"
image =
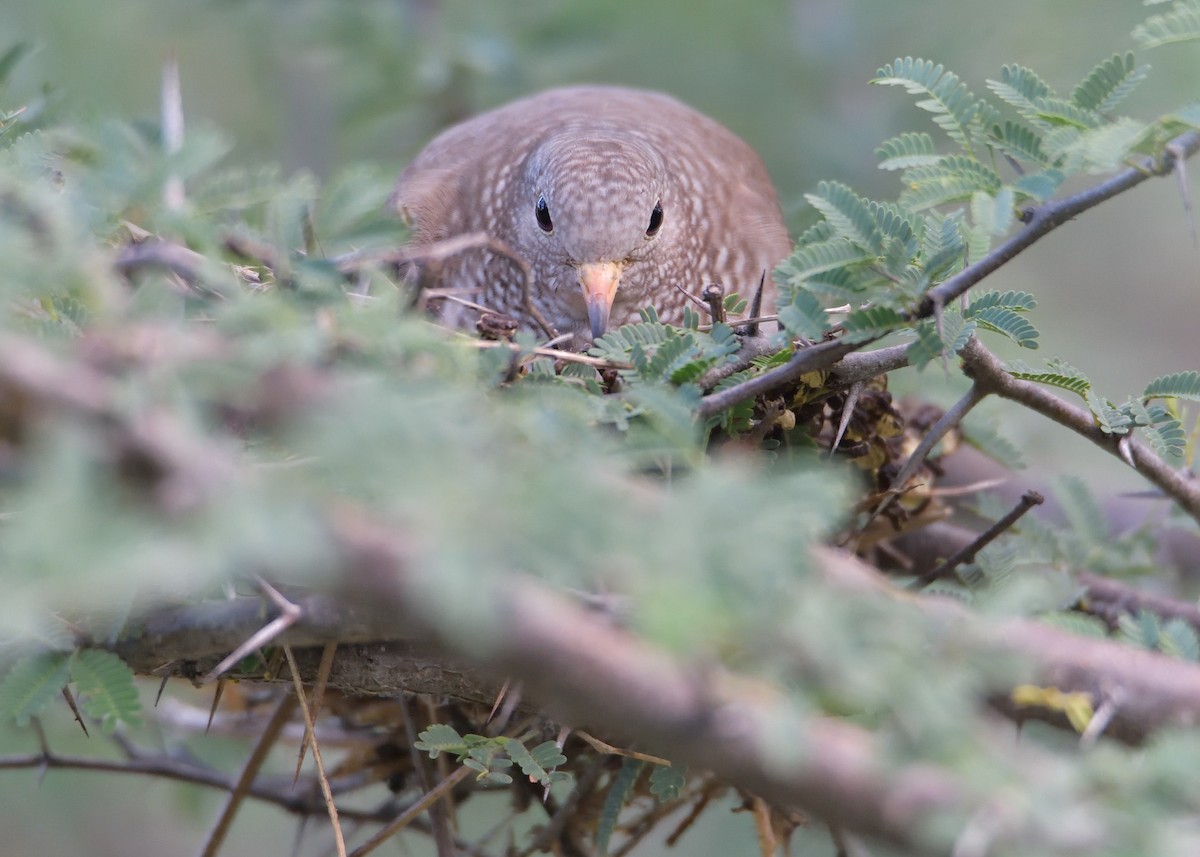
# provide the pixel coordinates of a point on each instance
(990, 374)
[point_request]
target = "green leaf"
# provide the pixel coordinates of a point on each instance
(906, 150)
(849, 215)
(1009, 322)
(1020, 88)
(1040, 186)
(1179, 640)
(926, 347)
(1109, 83)
(1110, 419)
(953, 106)
(992, 214)
(1181, 24)
(440, 738)
(666, 782)
(803, 315)
(815, 259)
(953, 178)
(615, 799)
(872, 322)
(1019, 301)
(1019, 142)
(11, 57)
(1095, 150)
(1167, 437)
(1059, 111)
(1177, 385)
(983, 435)
(1076, 623)
(1142, 630)
(1081, 509)
(31, 683)
(1060, 374)
(106, 684)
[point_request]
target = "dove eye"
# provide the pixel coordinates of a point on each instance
(656, 218)
(543, 215)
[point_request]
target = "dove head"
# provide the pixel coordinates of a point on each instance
(594, 220)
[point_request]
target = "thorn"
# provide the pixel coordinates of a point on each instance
(216, 701)
(756, 305)
(1124, 447)
(75, 710)
(847, 413)
(1184, 192)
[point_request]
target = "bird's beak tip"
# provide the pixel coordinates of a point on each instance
(599, 281)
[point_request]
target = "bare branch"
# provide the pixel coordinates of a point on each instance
(967, 553)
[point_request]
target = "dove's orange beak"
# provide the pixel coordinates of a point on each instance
(599, 281)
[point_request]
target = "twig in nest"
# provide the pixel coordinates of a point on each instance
(1028, 500)
(553, 353)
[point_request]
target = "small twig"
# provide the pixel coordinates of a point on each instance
(553, 353)
(691, 297)
(409, 815)
(323, 670)
(322, 779)
(545, 837)
(438, 821)
(951, 418)
(258, 755)
(603, 747)
(1102, 718)
(967, 554)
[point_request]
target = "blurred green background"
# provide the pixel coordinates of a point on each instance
(319, 85)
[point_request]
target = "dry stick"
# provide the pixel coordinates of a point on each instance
(948, 420)
(438, 821)
(1045, 219)
(283, 711)
(326, 791)
(550, 832)
(966, 554)
(189, 772)
(323, 670)
(989, 372)
(552, 353)
(409, 815)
